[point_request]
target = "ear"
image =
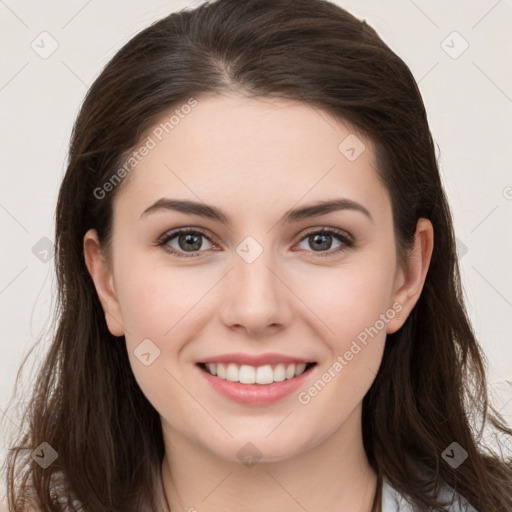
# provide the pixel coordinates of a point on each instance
(104, 282)
(409, 281)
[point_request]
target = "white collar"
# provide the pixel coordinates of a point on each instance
(393, 501)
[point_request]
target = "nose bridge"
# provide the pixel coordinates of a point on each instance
(252, 265)
(256, 297)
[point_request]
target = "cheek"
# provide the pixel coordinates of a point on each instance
(350, 299)
(158, 301)
(355, 306)
(159, 316)
(155, 300)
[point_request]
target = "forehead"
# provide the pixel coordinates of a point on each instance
(234, 149)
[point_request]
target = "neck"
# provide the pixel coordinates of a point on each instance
(333, 475)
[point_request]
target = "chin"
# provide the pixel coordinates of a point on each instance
(258, 447)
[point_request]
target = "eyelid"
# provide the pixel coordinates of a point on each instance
(332, 231)
(178, 231)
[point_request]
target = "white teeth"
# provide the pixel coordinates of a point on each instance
(221, 370)
(232, 372)
(299, 369)
(279, 373)
(264, 375)
(247, 374)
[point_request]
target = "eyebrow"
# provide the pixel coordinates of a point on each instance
(293, 215)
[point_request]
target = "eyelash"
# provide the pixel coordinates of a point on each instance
(345, 240)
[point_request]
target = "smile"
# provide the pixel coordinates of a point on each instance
(260, 383)
(264, 375)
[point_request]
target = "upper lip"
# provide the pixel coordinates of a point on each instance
(255, 360)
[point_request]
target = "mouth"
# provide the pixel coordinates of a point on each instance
(257, 376)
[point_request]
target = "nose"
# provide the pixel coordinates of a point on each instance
(256, 298)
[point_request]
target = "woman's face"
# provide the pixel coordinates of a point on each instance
(258, 288)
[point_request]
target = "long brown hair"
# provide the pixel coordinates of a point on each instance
(431, 388)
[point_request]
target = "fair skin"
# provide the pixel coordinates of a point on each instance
(255, 159)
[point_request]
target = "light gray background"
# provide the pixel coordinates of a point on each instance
(468, 99)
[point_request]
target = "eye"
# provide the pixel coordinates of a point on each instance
(187, 241)
(322, 239)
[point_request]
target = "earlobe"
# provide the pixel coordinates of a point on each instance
(412, 278)
(104, 282)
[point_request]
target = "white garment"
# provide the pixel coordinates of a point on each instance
(393, 501)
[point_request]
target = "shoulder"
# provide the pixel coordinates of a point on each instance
(393, 501)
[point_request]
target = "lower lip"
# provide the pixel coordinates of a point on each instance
(257, 394)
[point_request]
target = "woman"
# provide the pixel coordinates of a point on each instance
(260, 299)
